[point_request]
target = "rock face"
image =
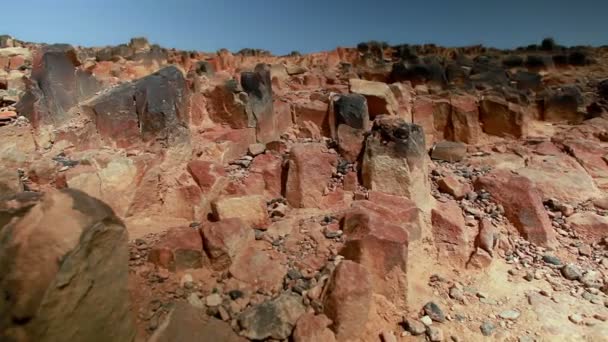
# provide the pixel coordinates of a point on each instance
(351, 110)
(449, 232)
(310, 168)
(180, 249)
(562, 104)
(56, 86)
(590, 225)
(152, 109)
(523, 205)
(250, 209)
(311, 328)
(82, 298)
(398, 166)
(502, 118)
(348, 299)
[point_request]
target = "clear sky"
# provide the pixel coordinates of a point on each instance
(306, 25)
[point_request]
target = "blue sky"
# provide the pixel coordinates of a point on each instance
(306, 25)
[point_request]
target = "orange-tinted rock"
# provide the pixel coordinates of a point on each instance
(250, 209)
(270, 167)
(314, 111)
(310, 168)
(348, 299)
(523, 205)
(380, 98)
(351, 181)
(449, 232)
(502, 118)
(449, 151)
(465, 119)
(179, 249)
(258, 86)
(480, 259)
(223, 240)
(561, 105)
(589, 225)
(261, 269)
(311, 328)
(350, 142)
(454, 186)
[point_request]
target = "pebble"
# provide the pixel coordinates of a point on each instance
(572, 272)
(435, 334)
(195, 301)
(388, 336)
(415, 327)
(213, 299)
(426, 320)
(576, 318)
(600, 317)
(434, 312)
(510, 314)
(487, 328)
(456, 293)
(551, 259)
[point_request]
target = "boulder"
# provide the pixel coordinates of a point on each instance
(380, 98)
(180, 249)
(310, 168)
(350, 142)
(314, 111)
(351, 110)
(395, 161)
(502, 118)
(250, 209)
(260, 269)
(313, 328)
(207, 175)
(224, 240)
(449, 232)
(348, 299)
(454, 186)
(449, 151)
(272, 319)
(187, 323)
(523, 204)
(381, 247)
(270, 167)
(559, 105)
(56, 86)
(150, 110)
(258, 86)
(434, 115)
(64, 270)
(590, 225)
(465, 119)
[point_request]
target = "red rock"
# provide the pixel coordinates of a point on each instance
(251, 209)
(348, 299)
(206, 174)
(283, 117)
(465, 119)
(7, 115)
(261, 269)
(310, 168)
(311, 328)
(452, 185)
(480, 259)
(449, 232)
(270, 167)
(350, 142)
(591, 156)
(16, 62)
(522, 202)
(223, 241)
(314, 111)
(395, 209)
(381, 247)
(179, 249)
(547, 148)
(351, 181)
(380, 98)
(449, 151)
(589, 225)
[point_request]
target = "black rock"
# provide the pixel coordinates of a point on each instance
(551, 259)
(433, 310)
(351, 110)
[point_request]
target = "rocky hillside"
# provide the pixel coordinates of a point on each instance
(377, 193)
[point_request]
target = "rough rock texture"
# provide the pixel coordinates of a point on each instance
(310, 167)
(380, 98)
(502, 118)
(523, 205)
(311, 328)
(224, 240)
(449, 232)
(82, 298)
(180, 249)
(250, 209)
(348, 299)
(395, 161)
(275, 318)
(351, 110)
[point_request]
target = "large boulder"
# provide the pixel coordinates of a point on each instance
(179, 249)
(258, 86)
(450, 234)
(223, 240)
(250, 209)
(465, 119)
(395, 160)
(522, 203)
(502, 118)
(380, 98)
(150, 110)
(310, 168)
(348, 299)
(63, 270)
(351, 110)
(56, 86)
(559, 105)
(274, 318)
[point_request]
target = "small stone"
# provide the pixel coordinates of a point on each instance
(600, 317)
(187, 281)
(388, 336)
(456, 293)
(510, 314)
(591, 279)
(576, 318)
(551, 259)
(434, 312)
(434, 333)
(482, 294)
(426, 320)
(213, 299)
(255, 149)
(572, 272)
(415, 327)
(487, 328)
(585, 250)
(195, 301)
